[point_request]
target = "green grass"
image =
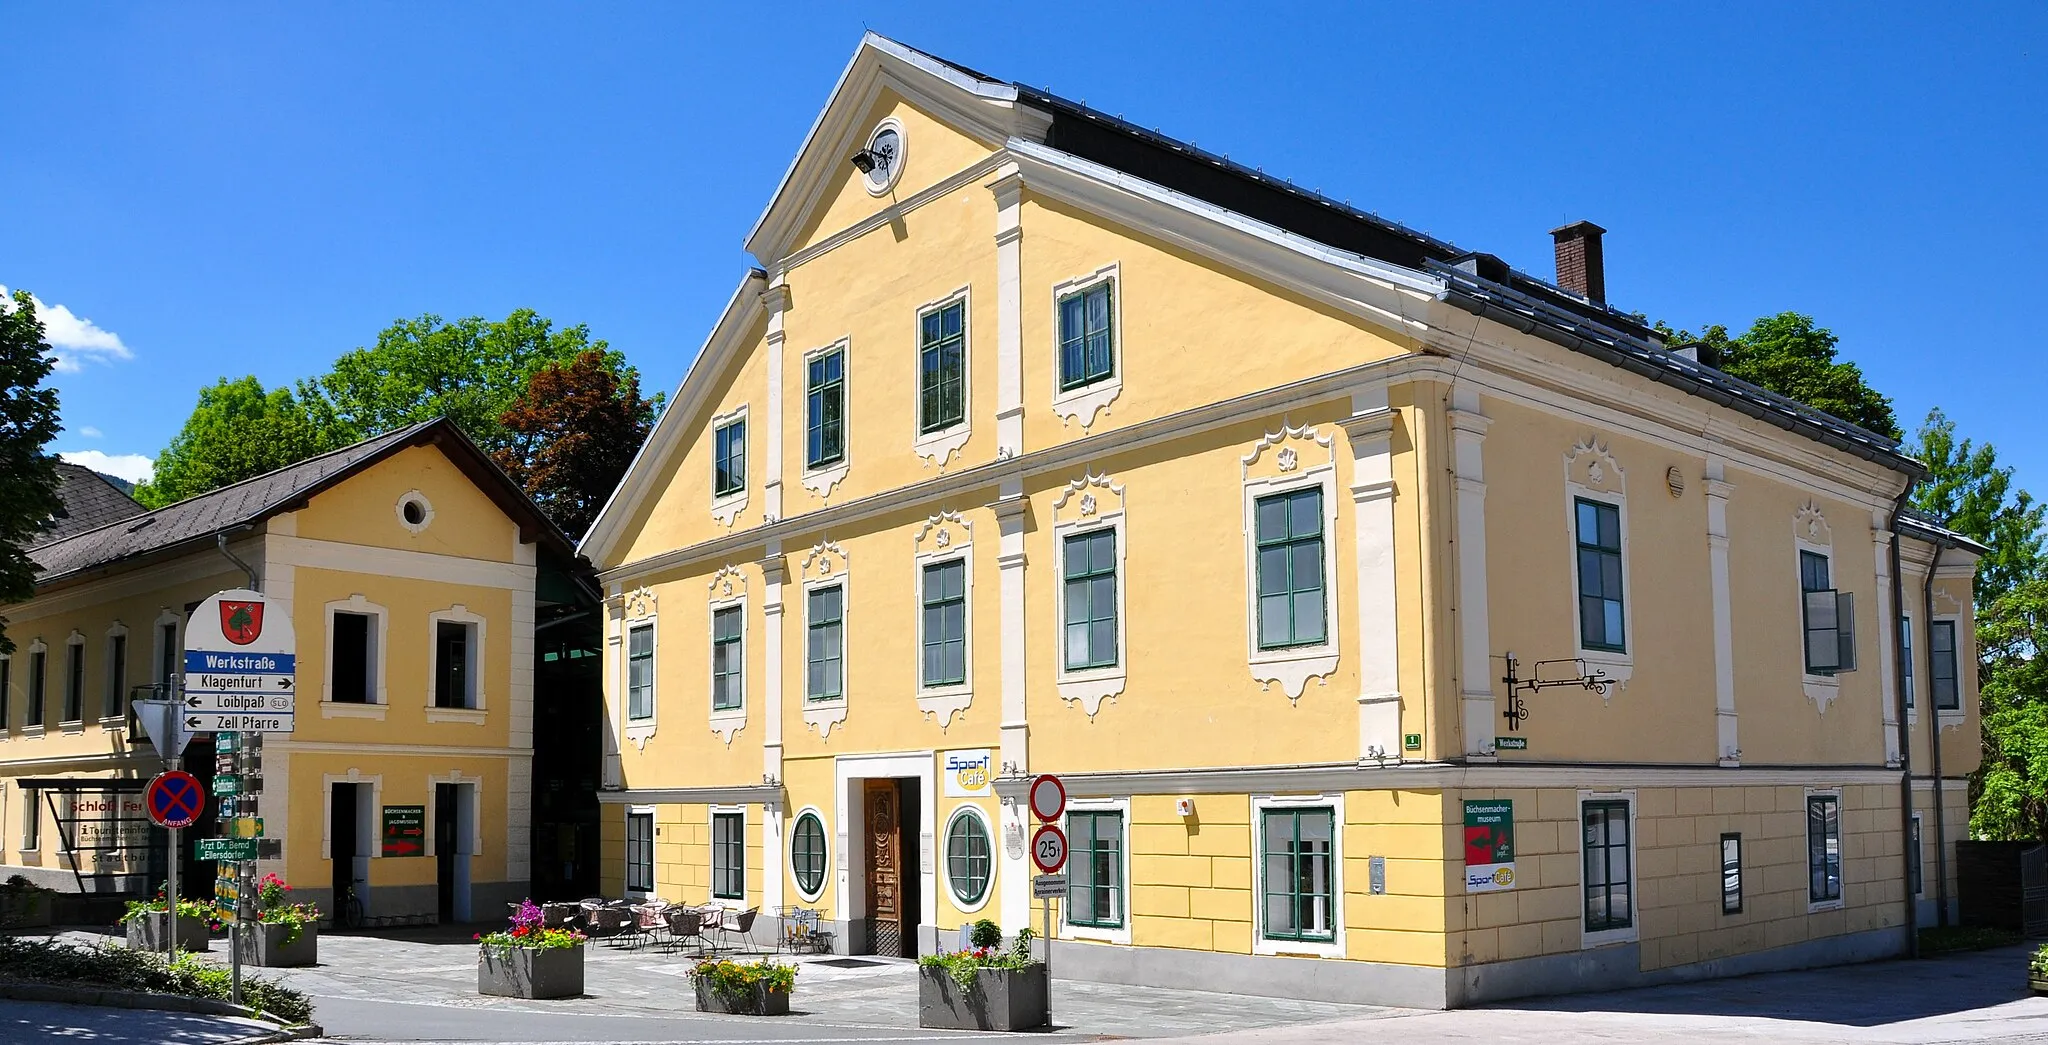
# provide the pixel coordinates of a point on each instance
(118, 968)
(1958, 938)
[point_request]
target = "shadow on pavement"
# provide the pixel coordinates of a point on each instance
(1869, 995)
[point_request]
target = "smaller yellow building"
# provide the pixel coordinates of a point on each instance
(409, 566)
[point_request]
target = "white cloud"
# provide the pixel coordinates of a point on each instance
(133, 467)
(90, 432)
(74, 340)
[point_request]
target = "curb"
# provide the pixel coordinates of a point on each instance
(113, 999)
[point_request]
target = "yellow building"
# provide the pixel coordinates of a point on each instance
(1045, 444)
(407, 564)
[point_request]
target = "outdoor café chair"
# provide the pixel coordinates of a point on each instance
(648, 920)
(684, 923)
(610, 922)
(742, 924)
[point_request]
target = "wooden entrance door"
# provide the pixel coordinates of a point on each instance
(884, 818)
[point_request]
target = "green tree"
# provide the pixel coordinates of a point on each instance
(1789, 355)
(2010, 792)
(1971, 494)
(239, 430)
(28, 474)
(573, 433)
(471, 370)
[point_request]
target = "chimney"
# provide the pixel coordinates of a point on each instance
(1579, 265)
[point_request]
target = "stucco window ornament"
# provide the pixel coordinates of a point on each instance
(1088, 518)
(640, 603)
(833, 384)
(824, 566)
(944, 538)
(1596, 488)
(943, 379)
(1811, 533)
(1290, 666)
(415, 512)
(728, 589)
(726, 508)
(1288, 460)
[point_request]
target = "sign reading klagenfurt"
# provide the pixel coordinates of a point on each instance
(1489, 845)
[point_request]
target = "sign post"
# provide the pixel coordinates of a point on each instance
(240, 679)
(1049, 853)
(159, 719)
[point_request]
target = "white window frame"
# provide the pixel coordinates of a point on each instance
(1589, 939)
(1100, 506)
(1122, 934)
(38, 648)
(1920, 864)
(1291, 803)
(1293, 666)
(379, 648)
(727, 507)
(74, 653)
(156, 647)
(823, 566)
(653, 871)
(726, 722)
(1948, 717)
(824, 879)
(711, 835)
(638, 729)
(895, 168)
(945, 867)
(1085, 403)
(939, 446)
(32, 826)
(822, 479)
(411, 497)
(7, 706)
(474, 652)
(935, 543)
(1916, 685)
(1811, 533)
(1841, 847)
(117, 630)
(1619, 666)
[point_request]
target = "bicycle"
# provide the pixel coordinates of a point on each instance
(348, 914)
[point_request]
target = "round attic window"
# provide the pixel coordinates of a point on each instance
(414, 511)
(884, 154)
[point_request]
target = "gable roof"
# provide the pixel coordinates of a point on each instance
(179, 527)
(90, 501)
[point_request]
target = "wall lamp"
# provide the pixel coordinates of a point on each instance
(870, 160)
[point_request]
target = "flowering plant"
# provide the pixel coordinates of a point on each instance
(986, 954)
(274, 906)
(738, 979)
(529, 929)
(159, 904)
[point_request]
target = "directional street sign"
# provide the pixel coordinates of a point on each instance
(227, 785)
(225, 849)
(174, 799)
(219, 721)
(251, 703)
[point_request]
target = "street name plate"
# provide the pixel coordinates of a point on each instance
(1049, 887)
(227, 785)
(225, 849)
(235, 721)
(241, 703)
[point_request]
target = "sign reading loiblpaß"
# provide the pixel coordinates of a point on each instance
(240, 665)
(1489, 844)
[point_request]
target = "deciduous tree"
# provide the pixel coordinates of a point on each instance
(1972, 494)
(28, 474)
(238, 431)
(572, 434)
(1789, 355)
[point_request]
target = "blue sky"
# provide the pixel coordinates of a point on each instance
(213, 190)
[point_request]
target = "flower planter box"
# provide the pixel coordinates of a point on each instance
(759, 1002)
(2037, 983)
(263, 945)
(1001, 999)
(527, 972)
(148, 933)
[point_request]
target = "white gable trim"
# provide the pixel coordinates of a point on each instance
(741, 312)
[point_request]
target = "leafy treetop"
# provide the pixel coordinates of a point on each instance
(238, 431)
(28, 421)
(1789, 355)
(571, 436)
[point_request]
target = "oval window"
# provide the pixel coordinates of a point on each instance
(807, 854)
(415, 513)
(968, 856)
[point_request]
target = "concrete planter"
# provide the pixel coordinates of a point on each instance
(2037, 983)
(263, 945)
(527, 972)
(1001, 999)
(760, 1002)
(147, 933)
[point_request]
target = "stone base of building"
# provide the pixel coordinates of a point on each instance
(386, 906)
(1419, 987)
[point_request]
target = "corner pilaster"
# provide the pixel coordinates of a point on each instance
(1008, 187)
(777, 300)
(1369, 431)
(1718, 489)
(1887, 637)
(1475, 659)
(774, 575)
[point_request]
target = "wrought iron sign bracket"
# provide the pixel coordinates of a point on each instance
(1547, 674)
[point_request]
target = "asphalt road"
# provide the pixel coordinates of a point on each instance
(41, 1023)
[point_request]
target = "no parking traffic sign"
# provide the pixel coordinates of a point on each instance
(174, 799)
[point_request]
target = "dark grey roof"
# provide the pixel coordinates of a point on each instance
(1920, 524)
(90, 502)
(248, 501)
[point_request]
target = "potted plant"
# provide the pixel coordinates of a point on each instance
(148, 926)
(24, 904)
(530, 960)
(985, 988)
(758, 989)
(288, 934)
(2037, 970)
